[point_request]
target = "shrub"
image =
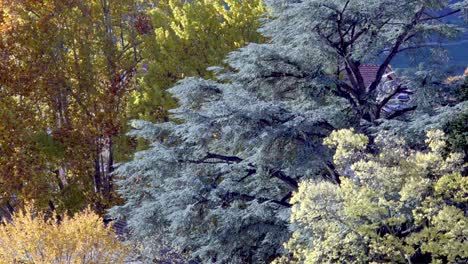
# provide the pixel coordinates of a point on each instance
(32, 238)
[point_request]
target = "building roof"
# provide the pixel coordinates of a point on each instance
(369, 72)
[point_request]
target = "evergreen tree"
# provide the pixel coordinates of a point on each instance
(217, 183)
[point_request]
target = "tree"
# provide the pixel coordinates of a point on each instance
(70, 65)
(182, 39)
(22, 161)
(397, 205)
(22, 157)
(457, 128)
(351, 33)
(217, 181)
(30, 238)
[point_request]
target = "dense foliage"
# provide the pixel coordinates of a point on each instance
(457, 128)
(397, 205)
(66, 73)
(73, 72)
(184, 40)
(30, 237)
(227, 159)
(216, 183)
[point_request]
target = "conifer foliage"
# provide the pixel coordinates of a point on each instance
(217, 182)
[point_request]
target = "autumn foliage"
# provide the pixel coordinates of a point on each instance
(32, 238)
(397, 206)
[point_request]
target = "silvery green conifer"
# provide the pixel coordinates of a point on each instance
(216, 182)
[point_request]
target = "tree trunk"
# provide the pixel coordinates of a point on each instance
(97, 171)
(109, 170)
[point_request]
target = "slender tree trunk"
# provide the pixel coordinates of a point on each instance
(109, 169)
(97, 171)
(59, 178)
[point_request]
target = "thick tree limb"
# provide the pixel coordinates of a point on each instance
(387, 99)
(250, 172)
(335, 176)
(233, 159)
(229, 197)
(286, 197)
(283, 177)
(208, 159)
(394, 50)
(346, 96)
(401, 112)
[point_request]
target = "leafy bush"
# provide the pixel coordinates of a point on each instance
(31, 238)
(395, 206)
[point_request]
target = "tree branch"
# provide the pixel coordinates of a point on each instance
(250, 172)
(345, 95)
(229, 197)
(430, 17)
(233, 159)
(388, 98)
(218, 159)
(401, 112)
(335, 176)
(394, 50)
(283, 177)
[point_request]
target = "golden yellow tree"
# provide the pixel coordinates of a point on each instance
(31, 238)
(184, 38)
(394, 206)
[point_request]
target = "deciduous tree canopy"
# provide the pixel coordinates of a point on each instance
(67, 70)
(183, 40)
(396, 206)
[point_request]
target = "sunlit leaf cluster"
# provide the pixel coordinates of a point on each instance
(397, 205)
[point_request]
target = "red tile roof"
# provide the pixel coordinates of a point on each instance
(369, 72)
